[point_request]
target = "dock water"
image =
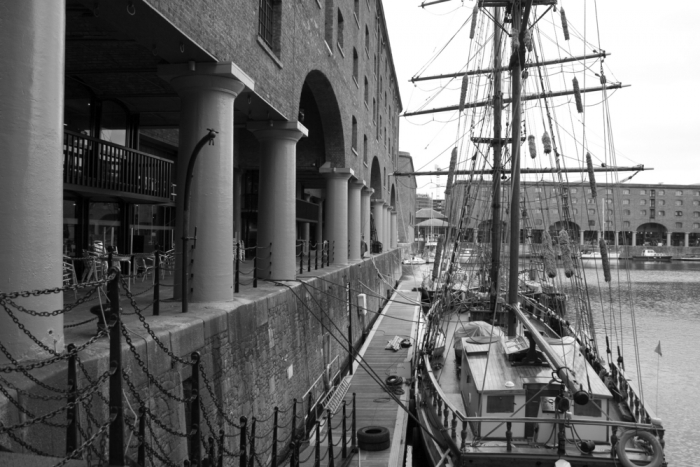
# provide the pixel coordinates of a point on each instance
(374, 407)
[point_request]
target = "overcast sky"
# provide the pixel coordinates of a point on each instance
(653, 48)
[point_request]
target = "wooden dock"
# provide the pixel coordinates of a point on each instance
(374, 407)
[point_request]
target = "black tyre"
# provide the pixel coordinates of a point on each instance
(373, 435)
(375, 447)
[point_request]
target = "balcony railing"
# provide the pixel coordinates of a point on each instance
(94, 163)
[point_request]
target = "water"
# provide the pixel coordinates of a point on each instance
(666, 304)
(666, 309)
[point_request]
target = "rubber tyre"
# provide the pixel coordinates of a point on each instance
(373, 435)
(383, 446)
(393, 380)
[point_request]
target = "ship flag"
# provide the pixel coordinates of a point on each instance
(658, 349)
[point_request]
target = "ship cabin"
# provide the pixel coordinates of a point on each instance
(496, 382)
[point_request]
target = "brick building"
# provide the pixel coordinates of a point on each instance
(623, 214)
(105, 102)
(406, 201)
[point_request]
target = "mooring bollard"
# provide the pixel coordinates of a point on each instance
(252, 442)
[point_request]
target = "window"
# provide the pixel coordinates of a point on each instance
(538, 221)
(696, 226)
(591, 211)
(608, 191)
(696, 203)
(367, 40)
(329, 20)
(574, 201)
(609, 212)
(625, 201)
(500, 404)
(679, 202)
(573, 190)
(661, 192)
(642, 202)
(679, 213)
(538, 210)
(696, 193)
(679, 225)
(643, 212)
(355, 66)
(652, 193)
(642, 192)
(696, 214)
(626, 224)
(625, 192)
(590, 201)
(679, 192)
(386, 179)
(268, 23)
(538, 189)
(626, 212)
(661, 202)
(608, 200)
(364, 148)
(366, 91)
(661, 213)
(575, 211)
(341, 30)
(374, 110)
(354, 134)
(591, 223)
(357, 10)
(588, 190)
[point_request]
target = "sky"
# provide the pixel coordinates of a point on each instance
(652, 48)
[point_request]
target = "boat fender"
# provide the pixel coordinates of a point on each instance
(587, 446)
(658, 453)
(373, 438)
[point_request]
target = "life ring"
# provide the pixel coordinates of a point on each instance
(656, 460)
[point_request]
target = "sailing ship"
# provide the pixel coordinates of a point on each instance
(514, 368)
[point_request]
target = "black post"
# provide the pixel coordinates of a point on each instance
(308, 413)
(141, 458)
(210, 453)
(238, 266)
(351, 346)
(316, 258)
(252, 443)
(353, 442)
(308, 265)
(156, 287)
(116, 408)
(294, 421)
(274, 438)
(244, 435)
(301, 259)
(333, 251)
(255, 271)
(195, 414)
(293, 459)
(345, 432)
(331, 457)
(72, 415)
(208, 138)
(222, 440)
(317, 453)
(296, 453)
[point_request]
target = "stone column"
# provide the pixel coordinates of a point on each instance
(306, 230)
(668, 238)
(207, 92)
(598, 236)
(319, 226)
(355, 218)
(337, 213)
(581, 238)
(378, 213)
(366, 209)
(277, 212)
(237, 195)
(387, 226)
(687, 239)
(31, 187)
(394, 231)
(617, 238)
(634, 238)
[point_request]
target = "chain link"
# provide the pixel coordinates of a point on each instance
(217, 403)
(83, 446)
(55, 290)
(45, 314)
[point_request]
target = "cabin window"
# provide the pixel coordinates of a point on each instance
(592, 409)
(500, 404)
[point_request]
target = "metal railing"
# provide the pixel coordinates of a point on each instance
(94, 163)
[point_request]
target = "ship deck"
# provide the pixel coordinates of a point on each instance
(373, 405)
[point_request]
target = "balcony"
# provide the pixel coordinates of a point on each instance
(98, 167)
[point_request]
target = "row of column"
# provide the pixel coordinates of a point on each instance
(634, 237)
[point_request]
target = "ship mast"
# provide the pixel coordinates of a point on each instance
(496, 178)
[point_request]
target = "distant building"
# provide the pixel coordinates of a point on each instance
(439, 205)
(423, 201)
(406, 201)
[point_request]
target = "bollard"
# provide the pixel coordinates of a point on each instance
(141, 457)
(252, 442)
(72, 415)
(293, 436)
(308, 416)
(156, 286)
(116, 407)
(293, 459)
(274, 438)
(196, 456)
(345, 433)
(331, 456)
(244, 434)
(317, 460)
(238, 267)
(210, 451)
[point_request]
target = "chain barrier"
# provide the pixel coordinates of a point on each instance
(45, 314)
(84, 446)
(75, 325)
(55, 290)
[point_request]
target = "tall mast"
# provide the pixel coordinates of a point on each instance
(497, 144)
(519, 28)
